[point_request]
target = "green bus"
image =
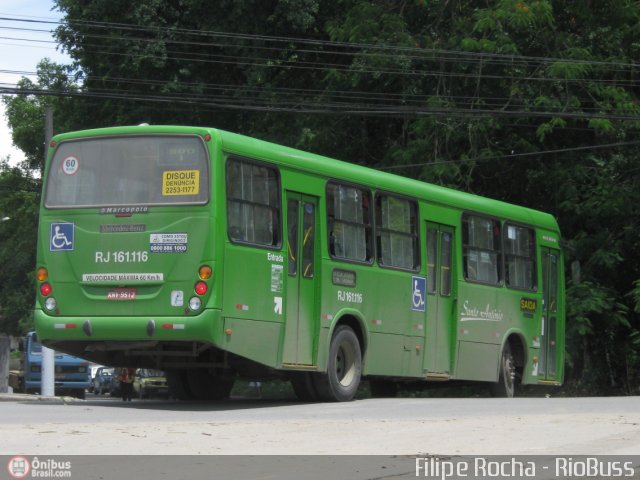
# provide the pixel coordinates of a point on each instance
(214, 256)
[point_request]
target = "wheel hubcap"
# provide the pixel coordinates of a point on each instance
(345, 364)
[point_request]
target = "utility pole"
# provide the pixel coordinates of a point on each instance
(5, 344)
(47, 381)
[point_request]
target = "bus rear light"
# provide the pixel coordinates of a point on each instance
(42, 274)
(195, 303)
(207, 137)
(45, 289)
(50, 303)
(205, 272)
(201, 288)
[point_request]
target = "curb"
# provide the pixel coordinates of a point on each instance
(25, 397)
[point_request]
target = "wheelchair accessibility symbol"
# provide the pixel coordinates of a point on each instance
(418, 293)
(61, 238)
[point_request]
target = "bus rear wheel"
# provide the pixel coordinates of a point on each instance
(178, 386)
(344, 368)
(303, 386)
(506, 385)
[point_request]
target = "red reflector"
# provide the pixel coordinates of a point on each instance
(173, 326)
(201, 288)
(64, 325)
(45, 289)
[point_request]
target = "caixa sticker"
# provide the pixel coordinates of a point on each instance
(168, 242)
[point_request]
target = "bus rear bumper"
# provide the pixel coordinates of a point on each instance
(205, 326)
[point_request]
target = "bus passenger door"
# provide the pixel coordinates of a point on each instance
(302, 250)
(440, 300)
(550, 324)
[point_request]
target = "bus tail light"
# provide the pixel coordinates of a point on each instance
(201, 288)
(42, 274)
(45, 289)
(205, 272)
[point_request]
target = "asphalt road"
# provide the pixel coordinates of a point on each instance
(435, 426)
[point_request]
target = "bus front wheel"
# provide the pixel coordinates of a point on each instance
(344, 367)
(506, 385)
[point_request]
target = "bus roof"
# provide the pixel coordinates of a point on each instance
(340, 170)
(325, 166)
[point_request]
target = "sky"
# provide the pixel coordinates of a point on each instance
(19, 53)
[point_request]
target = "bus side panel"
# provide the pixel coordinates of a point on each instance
(253, 296)
(253, 339)
(477, 361)
(485, 316)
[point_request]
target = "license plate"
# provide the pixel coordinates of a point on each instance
(122, 294)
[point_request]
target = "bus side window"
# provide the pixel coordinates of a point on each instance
(335, 246)
(349, 214)
(520, 257)
(397, 232)
(253, 203)
(482, 249)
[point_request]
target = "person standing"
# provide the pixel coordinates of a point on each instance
(126, 383)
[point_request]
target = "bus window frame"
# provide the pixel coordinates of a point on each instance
(370, 225)
(49, 166)
(416, 236)
(506, 223)
(232, 156)
(501, 281)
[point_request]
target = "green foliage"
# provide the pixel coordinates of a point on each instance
(26, 112)
(18, 231)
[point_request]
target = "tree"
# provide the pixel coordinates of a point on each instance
(25, 111)
(19, 194)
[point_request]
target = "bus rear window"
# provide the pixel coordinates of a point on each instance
(126, 171)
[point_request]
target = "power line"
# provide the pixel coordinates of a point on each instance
(394, 49)
(513, 155)
(318, 107)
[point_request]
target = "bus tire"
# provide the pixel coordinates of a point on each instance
(344, 367)
(208, 387)
(506, 385)
(303, 386)
(383, 388)
(177, 383)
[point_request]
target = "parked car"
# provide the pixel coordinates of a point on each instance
(150, 383)
(102, 380)
(114, 386)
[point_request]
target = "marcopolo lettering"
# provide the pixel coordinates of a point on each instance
(123, 210)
